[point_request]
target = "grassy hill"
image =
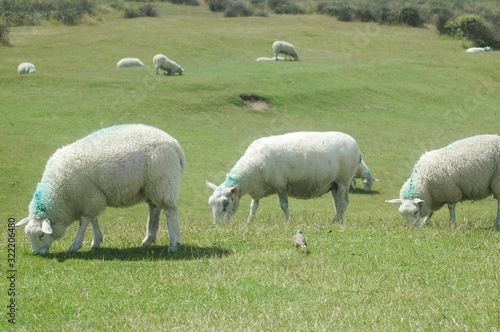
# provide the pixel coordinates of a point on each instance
(399, 91)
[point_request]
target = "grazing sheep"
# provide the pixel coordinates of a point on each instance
(362, 172)
(468, 169)
(162, 62)
(129, 62)
(286, 48)
(478, 49)
(26, 68)
(301, 165)
(270, 59)
(118, 166)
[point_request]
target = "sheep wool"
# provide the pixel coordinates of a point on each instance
(468, 169)
(26, 68)
(285, 48)
(118, 166)
(363, 172)
(301, 165)
(129, 62)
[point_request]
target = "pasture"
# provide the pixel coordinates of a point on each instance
(398, 91)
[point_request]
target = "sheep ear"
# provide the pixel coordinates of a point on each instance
(418, 201)
(46, 226)
(22, 222)
(398, 201)
(234, 190)
(211, 185)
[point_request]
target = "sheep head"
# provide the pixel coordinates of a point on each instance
(40, 233)
(412, 209)
(224, 202)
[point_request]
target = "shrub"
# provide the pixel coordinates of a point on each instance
(408, 16)
(364, 14)
(185, 2)
(4, 35)
(238, 8)
(142, 11)
(472, 27)
(344, 14)
(385, 15)
(285, 7)
(326, 8)
(218, 5)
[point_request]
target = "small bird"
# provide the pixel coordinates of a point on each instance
(299, 240)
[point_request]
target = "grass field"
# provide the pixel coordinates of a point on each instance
(399, 91)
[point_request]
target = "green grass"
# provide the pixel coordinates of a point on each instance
(398, 91)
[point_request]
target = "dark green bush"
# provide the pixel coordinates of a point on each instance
(344, 14)
(285, 7)
(218, 5)
(364, 14)
(4, 35)
(185, 2)
(408, 16)
(469, 26)
(142, 11)
(237, 9)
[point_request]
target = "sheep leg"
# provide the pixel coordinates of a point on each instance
(427, 217)
(453, 218)
(340, 197)
(153, 223)
(80, 234)
(174, 233)
(156, 70)
(96, 231)
(284, 205)
(253, 209)
(276, 56)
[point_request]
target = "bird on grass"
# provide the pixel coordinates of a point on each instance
(299, 240)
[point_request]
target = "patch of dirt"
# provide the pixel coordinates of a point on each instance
(254, 102)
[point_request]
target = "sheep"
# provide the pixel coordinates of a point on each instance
(162, 62)
(478, 49)
(26, 68)
(129, 62)
(286, 48)
(301, 165)
(363, 172)
(468, 169)
(118, 166)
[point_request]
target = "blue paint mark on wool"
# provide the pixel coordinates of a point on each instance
(368, 174)
(101, 132)
(232, 179)
(411, 191)
(40, 205)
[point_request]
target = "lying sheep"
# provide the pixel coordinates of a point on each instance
(162, 62)
(468, 169)
(478, 49)
(26, 68)
(129, 62)
(363, 172)
(300, 165)
(118, 166)
(286, 48)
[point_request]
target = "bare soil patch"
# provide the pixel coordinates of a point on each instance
(255, 102)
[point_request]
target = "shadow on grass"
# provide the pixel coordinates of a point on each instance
(362, 192)
(153, 253)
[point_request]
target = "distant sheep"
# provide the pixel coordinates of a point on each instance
(285, 48)
(26, 68)
(478, 49)
(162, 62)
(468, 169)
(129, 62)
(301, 165)
(270, 59)
(118, 166)
(363, 172)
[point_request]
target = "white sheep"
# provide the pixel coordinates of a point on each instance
(118, 166)
(162, 62)
(286, 48)
(478, 49)
(468, 169)
(301, 165)
(26, 68)
(363, 172)
(129, 62)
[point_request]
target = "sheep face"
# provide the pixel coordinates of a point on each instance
(224, 202)
(412, 209)
(39, 231)
(367, 184)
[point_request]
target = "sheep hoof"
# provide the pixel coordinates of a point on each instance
(172, 249)
(147, 242)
